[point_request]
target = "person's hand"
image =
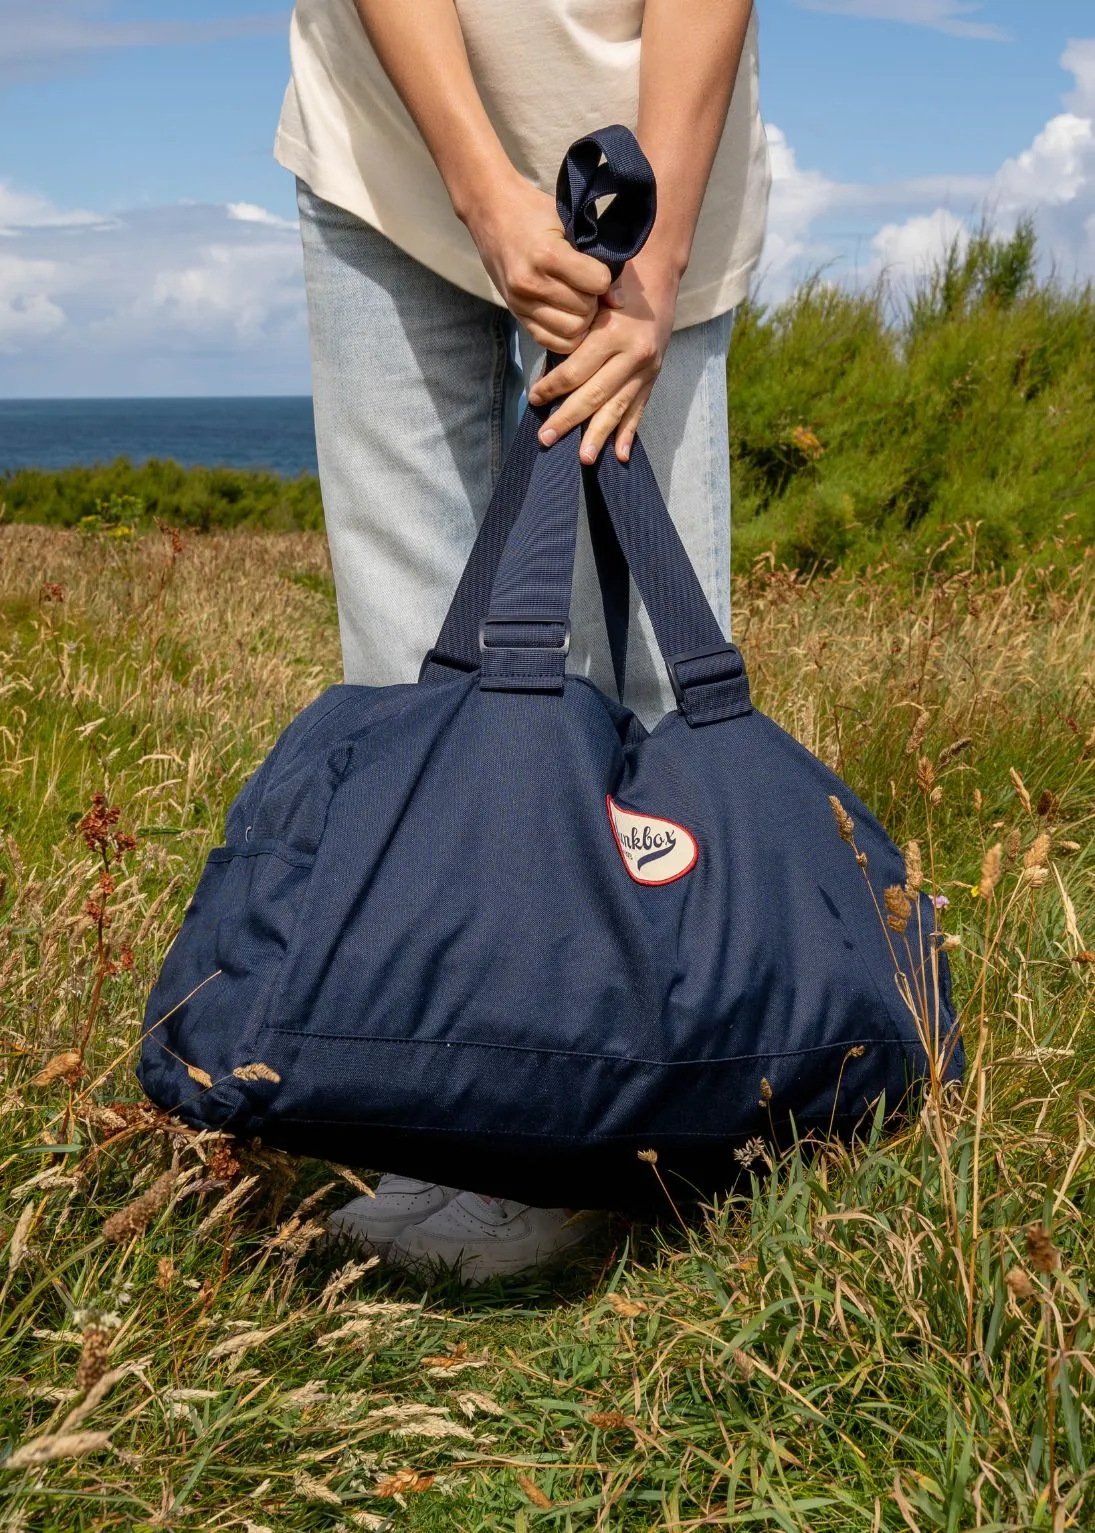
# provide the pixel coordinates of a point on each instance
(551, 288)
(610, 374)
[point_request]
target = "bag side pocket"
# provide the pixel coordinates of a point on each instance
(207, 1006)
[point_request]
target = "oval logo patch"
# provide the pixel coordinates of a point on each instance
(654, 851)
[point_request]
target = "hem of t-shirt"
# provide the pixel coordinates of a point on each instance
(694, 305)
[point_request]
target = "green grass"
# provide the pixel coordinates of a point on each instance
(836, 1350)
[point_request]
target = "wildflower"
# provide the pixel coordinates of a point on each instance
(51, 591)
(940, 901)
(1044, 1255)
(898, 908)
(131, 1221)
(990, 871)
(844, 822)
(914, 868)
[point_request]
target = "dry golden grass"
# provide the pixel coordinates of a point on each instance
(893, 1337)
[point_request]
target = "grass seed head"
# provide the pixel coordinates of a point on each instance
(916, 735)
(1020, 789)
(1037, 854)
(47, 1449)
(1042, 1253)
(1019, 1283)
(991, 868)
(93, 1358)
(898, 908)
(67, 1066)
(256, 1072)
(925, 774)
(914, 868)
(844, 822)
(132, 1220)
(1049, 804)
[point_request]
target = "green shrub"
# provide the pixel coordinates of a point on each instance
(121, 493)
(960, 409)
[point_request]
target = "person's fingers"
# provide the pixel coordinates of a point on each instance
(579, 367)
(625, 432)
(607, 420)
(527, 287)
(582, 272)
(552, 329)
(592, 396)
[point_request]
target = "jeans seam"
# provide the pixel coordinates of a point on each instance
(498, 393)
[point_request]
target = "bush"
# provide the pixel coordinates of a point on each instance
(121, 493)
(868, 426)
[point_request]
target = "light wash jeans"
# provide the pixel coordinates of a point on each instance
(417, 388)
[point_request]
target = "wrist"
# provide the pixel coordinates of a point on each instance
(659, 277)
(481, 191)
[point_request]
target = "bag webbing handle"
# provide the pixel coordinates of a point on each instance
(613, 236)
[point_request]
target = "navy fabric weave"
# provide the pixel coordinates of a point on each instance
(486, 930)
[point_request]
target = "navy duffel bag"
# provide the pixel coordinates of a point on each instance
(487, 930)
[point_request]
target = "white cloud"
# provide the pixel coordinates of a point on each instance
(191, 298)
(1053, 179)
(27, 308)
(941, 15)
(28, 210)
(913, 247)
(1079, 59)
(251, 213)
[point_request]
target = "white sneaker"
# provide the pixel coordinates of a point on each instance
(400, 1202)
(481, 1237)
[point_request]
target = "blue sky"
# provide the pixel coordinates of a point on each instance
(147, 242)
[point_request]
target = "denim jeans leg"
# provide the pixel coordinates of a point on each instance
(415, 388)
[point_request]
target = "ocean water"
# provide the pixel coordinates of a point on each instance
(272, 433)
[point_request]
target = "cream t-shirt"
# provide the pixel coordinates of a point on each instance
(548, 71)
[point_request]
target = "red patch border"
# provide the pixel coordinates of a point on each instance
(645, 883)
